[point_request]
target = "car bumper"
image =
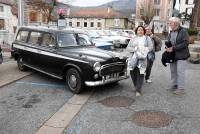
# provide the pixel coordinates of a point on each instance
(105, 81)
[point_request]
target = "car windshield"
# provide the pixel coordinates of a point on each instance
(73, 39)
(93, 34)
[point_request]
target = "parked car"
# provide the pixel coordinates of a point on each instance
(67, 54)
(123, 41)
(104, 36)
(130, 32)
(100, 42)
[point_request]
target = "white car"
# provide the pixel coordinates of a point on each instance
(130, 32)
(123, 41)
(103, 35)
(100, 42)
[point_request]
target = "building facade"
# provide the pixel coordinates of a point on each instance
(161, 10)
(186, 7)
(97, 19)
(8, 20)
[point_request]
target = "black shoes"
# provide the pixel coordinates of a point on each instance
(173, 88)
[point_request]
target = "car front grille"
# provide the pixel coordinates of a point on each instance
(112, 68)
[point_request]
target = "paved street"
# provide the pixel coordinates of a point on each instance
(30, 102)
(182, 111)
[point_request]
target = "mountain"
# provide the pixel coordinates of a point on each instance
(126, 7)
(121, 5)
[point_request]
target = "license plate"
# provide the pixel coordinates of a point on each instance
(112, 76)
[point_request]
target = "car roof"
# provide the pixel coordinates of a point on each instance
(51, 29)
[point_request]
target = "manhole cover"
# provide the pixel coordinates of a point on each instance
(152, 119)
(117, 101)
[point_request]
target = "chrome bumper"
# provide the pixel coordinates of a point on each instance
(105, 81)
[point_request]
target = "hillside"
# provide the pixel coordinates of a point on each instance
(126, 7)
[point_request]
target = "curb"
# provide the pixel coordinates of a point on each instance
(63, 117)
(9, 75)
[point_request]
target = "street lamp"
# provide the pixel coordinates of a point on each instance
(20, 12)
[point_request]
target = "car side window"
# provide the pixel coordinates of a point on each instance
(22, 36)
(84, 39)
(35, 37)
(66, 39)
(48, 40)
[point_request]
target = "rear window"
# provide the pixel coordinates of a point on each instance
(35, 37)
(22, 36)
(49, 40)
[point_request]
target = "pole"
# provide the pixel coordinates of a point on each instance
(20, 13)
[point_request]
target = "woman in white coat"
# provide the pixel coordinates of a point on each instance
(138, 48)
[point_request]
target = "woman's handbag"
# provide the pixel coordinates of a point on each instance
(1, 58)
(151, 56)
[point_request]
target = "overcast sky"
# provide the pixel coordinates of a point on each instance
(88, 2)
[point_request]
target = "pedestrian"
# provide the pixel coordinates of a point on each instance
(1, 56)
(157, 44)
(179, 39)
(138, 48)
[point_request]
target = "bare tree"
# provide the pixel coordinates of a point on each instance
(46, 8)
(147, 13)
(195, 21)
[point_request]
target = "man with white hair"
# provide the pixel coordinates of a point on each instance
(179, 39)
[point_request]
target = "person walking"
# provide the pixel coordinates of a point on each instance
(179, 39)
(138, 48)
(157, 44)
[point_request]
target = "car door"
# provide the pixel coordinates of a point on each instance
(49, 57)
(33, 48)
(21, 46)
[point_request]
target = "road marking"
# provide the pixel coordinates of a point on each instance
(62, 118)
(41, 84)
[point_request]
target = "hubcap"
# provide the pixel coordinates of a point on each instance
(73, 81)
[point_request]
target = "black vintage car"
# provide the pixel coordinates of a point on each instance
(67, 54)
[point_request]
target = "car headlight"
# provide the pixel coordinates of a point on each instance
(97, 66)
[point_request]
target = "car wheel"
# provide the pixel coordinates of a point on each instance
(21, 65)
(74, 81)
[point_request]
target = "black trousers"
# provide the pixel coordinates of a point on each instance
(148, 69)
(137, 79)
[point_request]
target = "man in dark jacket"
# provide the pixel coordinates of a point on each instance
(179, 38)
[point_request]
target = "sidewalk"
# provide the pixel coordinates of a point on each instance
(9, 71)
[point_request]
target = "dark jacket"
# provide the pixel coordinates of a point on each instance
(157, 43)
(181, 47)
(167, 57)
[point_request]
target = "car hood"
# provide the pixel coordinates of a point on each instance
(91, 54)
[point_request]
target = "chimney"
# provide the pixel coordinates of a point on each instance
(68, 11)
(109, 9)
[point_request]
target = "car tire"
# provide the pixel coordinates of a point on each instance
(74, 81)
(21, 65)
